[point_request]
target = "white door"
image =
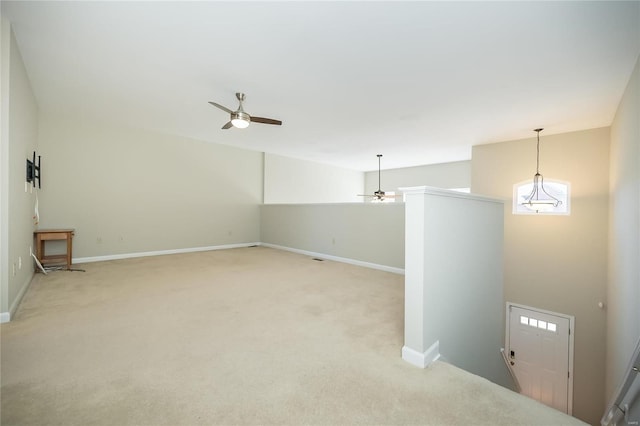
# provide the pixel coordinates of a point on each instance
(538, 350)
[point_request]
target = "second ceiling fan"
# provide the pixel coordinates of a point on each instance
(240, 119)
(380, 196)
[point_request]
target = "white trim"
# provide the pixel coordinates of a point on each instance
(6, 316)
(354, 203)
(232, 246)
(572, 333)
(159, 253)
(5, 53)
(422, 360)
(385, 268)
(18, 299)
(448, 193)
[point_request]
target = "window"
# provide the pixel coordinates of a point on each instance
(558, 189)
(535, 323)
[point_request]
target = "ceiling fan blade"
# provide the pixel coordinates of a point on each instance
(227, 126)
(224, 108)
(265, 120)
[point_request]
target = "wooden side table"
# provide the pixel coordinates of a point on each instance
(43, 235)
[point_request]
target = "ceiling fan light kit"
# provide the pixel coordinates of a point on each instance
(240, 119)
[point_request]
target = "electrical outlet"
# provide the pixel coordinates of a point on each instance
(19, 262)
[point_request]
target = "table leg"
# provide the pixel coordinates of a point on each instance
(39, 248)
(69, 249)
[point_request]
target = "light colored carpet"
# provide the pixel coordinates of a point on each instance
(243, 336)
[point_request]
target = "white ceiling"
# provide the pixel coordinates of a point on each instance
(420, 82)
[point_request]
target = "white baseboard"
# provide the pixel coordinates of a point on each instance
(231, 246)
(421, 359)
(16, 302)
(338, 259)
(6, 316)
(158, 253)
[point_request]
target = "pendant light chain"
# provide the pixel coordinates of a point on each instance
(538, 152)
(534, 200)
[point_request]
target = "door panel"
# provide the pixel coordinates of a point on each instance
(539, 350)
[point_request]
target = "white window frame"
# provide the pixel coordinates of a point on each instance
(564, 209)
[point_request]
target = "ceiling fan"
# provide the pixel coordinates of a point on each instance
(240, 119)
(380, 196)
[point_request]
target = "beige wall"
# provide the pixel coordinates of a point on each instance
(623, 293)
(19, 141)
(5, 48)
(558, 263)
(289, 180)
(445, 175)
(130, 191)
(366, 232)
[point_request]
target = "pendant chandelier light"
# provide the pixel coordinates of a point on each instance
(539, 199)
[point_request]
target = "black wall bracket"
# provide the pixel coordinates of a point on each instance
(33, 171)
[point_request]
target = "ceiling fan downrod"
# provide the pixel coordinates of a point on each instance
(240, 97)
(379, 192)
